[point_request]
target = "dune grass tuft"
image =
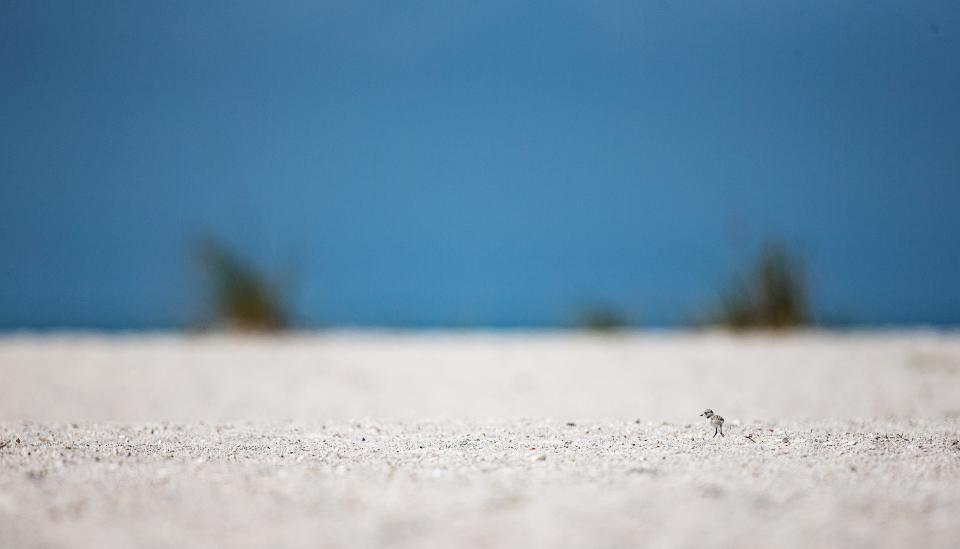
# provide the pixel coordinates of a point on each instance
(602, 319)
(242, 297)
(773, 294)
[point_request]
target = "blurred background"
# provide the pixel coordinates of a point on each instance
(170, 165)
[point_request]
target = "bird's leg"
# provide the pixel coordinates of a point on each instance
(721, 431)
(714, 433)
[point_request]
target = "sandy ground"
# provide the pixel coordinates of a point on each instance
(480, 440)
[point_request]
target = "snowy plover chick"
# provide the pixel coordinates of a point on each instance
(715, 421)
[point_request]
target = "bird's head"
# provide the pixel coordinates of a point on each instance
(708, 413)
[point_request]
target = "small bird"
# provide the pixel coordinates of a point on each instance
(715, 421)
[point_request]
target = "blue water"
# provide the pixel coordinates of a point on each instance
(477, 163)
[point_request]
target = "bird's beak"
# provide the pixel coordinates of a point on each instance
(701, 415)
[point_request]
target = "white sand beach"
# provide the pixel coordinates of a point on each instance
(455, 439)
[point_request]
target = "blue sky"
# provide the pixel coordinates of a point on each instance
(477, 163)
